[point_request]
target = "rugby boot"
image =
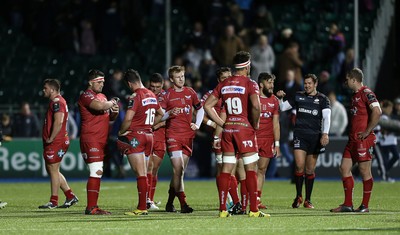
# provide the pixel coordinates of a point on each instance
(96, 211)
(297, 202)
(170, 208)
(186, 209)
(137, 212)
(343, 208)
(308, 204)
(237, 209)
(69, 202)
(48, 205)
(362, 209)
(224, 214)
(259, 214)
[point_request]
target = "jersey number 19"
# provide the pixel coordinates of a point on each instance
(234, 105)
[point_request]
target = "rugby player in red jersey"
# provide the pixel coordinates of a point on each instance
(268, 134)
(159, 145)
(365, 113)
(240, 96)
(179, 102)
(135, 137)
(55, 144)
(96, 113)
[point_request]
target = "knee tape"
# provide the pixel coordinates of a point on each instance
(95, 167)
(229, 159)
(218, 157)
(175, 154)
(250, 159)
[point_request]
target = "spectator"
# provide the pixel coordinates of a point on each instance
(339, 119)
(324, 85)
(6, 127)
(263, 22)
(387, 142)
(290, 60)
(337, 43)
(396, 109)
(26, 123)
(263, 57)
(113, 88)
(88, 42)
(227, 46)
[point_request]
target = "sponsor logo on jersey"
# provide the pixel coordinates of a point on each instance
(271, 105)
(296, 143)
(188, 97)
(233, 90)
(94, 150)
(315, 112)
(149, 101)
(303, 110)
(357, 99)
(49, 156)
(301, 98)
(316, 101)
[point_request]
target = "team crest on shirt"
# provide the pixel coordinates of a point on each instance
(60, 153)
(188, 97)
(56, 107)
(134, 142)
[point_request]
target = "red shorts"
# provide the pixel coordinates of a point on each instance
(136, 142)
(266, 147)
(159, 149)
(241, 141)
(182, 144)
(93, 151)
(360, 150)
(54, 152)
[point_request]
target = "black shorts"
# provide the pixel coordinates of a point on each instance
(310, 143)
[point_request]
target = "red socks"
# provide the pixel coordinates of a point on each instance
(251, 183)
(223, 186)
(153, 187)
(233, 189)
(142, 192)
(92, 189)
(244, 193)
(149, 183)
(54, 200)
(367, 189)
(348, 186)
(69, 194)
(182, 198)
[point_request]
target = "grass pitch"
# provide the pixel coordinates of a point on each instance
(21, 215)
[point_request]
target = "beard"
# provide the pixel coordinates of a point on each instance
(266, 92)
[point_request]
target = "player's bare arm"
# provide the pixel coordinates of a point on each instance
(209, 108)
(255, 111)
(373, 121)
(114, 112)
(157, 120)
(277, 134)
(217, 133)
(57, 125)
(102, 105)
(127, 122)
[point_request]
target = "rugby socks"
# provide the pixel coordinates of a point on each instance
(223, 186)
(69, 194)
(233, 186)
(149, 184)
(171, 195)
(92, 189)
(182, 198)
(54, 200)
(259, 194)
(299, 178)
(348, 186)
(251, 183)
(367, 189)
(153, 187)
(244, 193)
(142, 192)
(309, 183)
